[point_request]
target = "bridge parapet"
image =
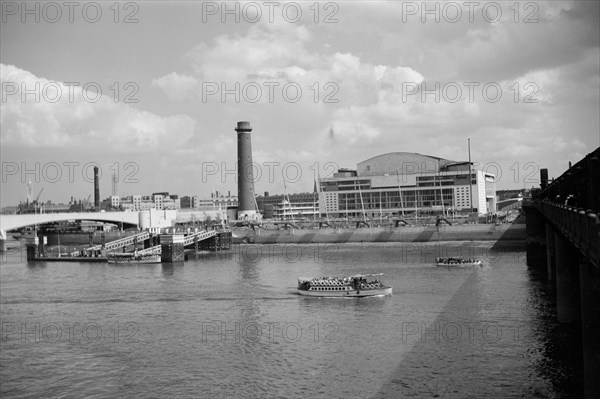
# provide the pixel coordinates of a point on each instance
(578, 186)
(580, 227)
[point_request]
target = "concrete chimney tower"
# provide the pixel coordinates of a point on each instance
(246, 201)
(96, 190)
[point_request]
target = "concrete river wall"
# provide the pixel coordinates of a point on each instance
(507, 233)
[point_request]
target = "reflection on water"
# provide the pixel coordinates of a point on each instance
(248, 270)
(226, 325)
(168, 269)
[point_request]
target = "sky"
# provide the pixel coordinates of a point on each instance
(151, 91)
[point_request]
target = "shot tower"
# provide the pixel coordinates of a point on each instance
(96, 190)
(247, 209)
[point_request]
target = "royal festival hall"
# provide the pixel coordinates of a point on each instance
(402, 183)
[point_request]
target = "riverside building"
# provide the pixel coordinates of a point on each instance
(289, 206)
(144, 202)
(403, 183)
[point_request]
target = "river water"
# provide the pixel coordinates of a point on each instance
(231, 326)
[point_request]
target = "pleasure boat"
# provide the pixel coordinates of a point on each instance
(353, 286)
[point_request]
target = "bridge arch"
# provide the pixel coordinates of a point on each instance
(12, 222)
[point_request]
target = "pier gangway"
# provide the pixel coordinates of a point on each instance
(200, 236)
(152, 250)
(188, 240)
(121, 242)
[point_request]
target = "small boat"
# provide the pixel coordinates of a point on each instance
(129, 258)
(457, 262)
(353, 286)
(25, 234)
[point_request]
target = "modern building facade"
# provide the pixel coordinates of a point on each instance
(280, 206)
(401, 183)
(216, 200)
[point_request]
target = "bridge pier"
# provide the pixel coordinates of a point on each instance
(32, 248)
(36, 247)
(225, 240)
(42, 246)
(172, 248)
(590, 325)
(535, 245)
(550, 253)
(2, 245)
(567, 281)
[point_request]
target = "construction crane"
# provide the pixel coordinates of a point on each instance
(30, 203)
(86, 203)
(29, 193)
(38, 196)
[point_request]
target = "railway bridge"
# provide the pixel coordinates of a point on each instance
(563, 245)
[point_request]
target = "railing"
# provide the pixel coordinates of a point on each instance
(190, 239)
(580, 227)
(201, 235)
(152, 250)
(121, 242)
(578, 186)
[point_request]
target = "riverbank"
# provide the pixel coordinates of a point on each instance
(513, 234)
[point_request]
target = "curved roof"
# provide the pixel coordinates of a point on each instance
(402, 163)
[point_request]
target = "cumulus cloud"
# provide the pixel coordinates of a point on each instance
(68, 116)
(551, 63)
(282, 54)
(176, 86)
(266, 49)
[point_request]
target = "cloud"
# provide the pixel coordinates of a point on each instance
(534, 35)
(370, 56)
(280, 54)
(176, 86)
(264, 50)
(60, 116)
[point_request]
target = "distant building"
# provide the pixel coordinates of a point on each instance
(43, 207)
(216, 201)
(400, 182)
(185, 202)
(266, 204)
(10, 210)
(157, 201)
(288, 206)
